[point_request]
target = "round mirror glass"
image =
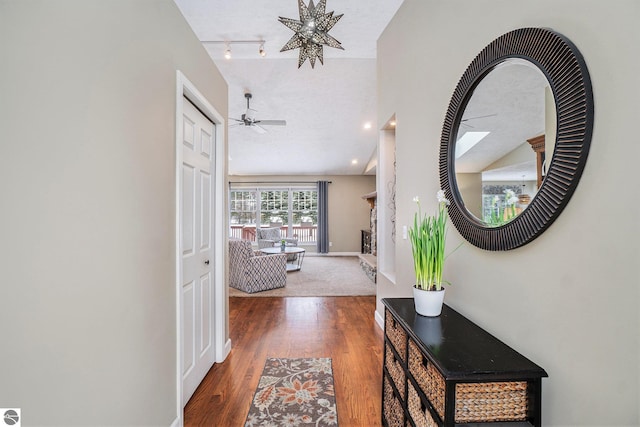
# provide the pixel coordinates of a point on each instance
(504, 138)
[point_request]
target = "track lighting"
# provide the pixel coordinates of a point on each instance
(227, 53)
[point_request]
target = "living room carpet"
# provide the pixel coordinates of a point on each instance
(321, 276)
(294, 392)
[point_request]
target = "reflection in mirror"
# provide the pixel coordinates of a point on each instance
(504, 141)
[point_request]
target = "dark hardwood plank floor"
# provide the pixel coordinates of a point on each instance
(342, 328)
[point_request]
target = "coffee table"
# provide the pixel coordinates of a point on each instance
(294, 265)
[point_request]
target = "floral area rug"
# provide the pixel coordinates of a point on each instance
(294, 392)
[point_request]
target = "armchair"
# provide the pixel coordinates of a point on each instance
(252, 273)
(269, 237)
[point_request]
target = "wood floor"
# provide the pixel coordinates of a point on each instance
(342, 328)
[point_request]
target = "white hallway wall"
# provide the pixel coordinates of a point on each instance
(569, 300)
(87, 183)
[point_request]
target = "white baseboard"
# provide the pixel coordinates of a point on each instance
(177, 422)
(333, 254)
(379, 320)
(227, 350)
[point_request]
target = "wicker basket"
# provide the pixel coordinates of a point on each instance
(419, 413)
(395, 370)
(396, 335)
(491, 402)
(428, 378)
(392, 409)
(475, 402)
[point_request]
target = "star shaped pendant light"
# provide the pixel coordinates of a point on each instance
(311, 31)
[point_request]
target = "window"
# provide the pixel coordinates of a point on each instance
(274, 208)
(293, 209)
(243, 207)
(305, 207)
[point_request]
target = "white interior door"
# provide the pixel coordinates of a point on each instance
(196, 232)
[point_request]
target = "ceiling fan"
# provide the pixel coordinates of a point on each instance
(249, 119)
(462, 122)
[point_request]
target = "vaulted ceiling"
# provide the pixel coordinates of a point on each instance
(326, 107)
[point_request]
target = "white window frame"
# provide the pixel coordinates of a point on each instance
(265, 188)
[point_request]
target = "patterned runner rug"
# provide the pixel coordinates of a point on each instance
(294, 392)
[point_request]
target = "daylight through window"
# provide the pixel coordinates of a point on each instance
(293, 210)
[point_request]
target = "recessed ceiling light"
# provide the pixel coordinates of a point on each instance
(354, 161)
(367, 125)
(392, 123)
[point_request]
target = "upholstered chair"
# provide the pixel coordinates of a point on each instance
(252, 273)
(269, 237)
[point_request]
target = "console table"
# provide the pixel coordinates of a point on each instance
(446, 370)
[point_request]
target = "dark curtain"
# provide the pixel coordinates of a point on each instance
(323, 221)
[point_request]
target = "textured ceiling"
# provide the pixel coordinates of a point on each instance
(325, 107)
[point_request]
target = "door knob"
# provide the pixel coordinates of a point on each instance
(206, 262)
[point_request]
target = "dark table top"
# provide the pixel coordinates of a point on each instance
(460, 348)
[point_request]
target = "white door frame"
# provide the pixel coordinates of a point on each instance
(184, 88)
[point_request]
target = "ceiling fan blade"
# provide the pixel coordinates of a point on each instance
(478, 117)
(258, 129)
(249, 119)
(272, 122)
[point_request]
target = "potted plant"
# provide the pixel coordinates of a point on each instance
(428, 235)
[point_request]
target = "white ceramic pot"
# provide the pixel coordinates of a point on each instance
(428, 303)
